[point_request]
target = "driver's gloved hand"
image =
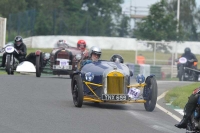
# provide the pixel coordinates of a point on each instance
(192, 60)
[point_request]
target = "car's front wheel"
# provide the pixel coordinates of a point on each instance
(77, 91)
(151, 94)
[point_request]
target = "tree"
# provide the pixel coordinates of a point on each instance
(70, 17)
(124, 27)
(12, 6)
(189, 17)
(159, 25)
(103, 15)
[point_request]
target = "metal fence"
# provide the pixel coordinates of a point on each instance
(164, 54)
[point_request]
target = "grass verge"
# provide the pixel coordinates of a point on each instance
(179, 95)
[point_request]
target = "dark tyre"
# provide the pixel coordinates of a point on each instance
(8, 66)
(38, 66)
(181, 73)
(77, 91)
(152, 91)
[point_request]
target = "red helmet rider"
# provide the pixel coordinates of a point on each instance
(81, 44)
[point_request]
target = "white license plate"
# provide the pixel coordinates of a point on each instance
(68, 67)
(114, 97)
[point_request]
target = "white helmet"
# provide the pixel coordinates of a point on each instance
(61, 43)
(96, 50)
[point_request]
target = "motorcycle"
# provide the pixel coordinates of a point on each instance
(186, 73)
(11, 62)
(193, 125)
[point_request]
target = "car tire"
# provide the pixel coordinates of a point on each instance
(152, 98)
(77, 91)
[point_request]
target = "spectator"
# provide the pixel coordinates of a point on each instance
(140, 59)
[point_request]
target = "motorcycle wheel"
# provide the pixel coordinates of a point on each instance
(8, 66)
(38, 66)
(181, 73)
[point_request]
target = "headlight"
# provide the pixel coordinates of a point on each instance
(89, 76)
(46, 55)
(140, 78)
(78, 56)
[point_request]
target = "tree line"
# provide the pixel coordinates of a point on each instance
(100, 18)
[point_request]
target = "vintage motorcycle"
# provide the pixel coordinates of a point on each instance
(186, 73)
(193, 125)
(11, 62)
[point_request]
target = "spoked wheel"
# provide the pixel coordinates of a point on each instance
(151, 90)
(77, 91)
(38, 66)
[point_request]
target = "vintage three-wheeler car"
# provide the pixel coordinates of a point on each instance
(62, 61)
(109, 82)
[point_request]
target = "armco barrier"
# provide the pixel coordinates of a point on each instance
(145, 69)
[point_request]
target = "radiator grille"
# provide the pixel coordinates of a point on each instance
(115, 83)
(63, 55)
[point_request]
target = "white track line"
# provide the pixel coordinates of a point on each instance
(164, 110)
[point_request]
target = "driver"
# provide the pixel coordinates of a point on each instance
(81, 45)
(94, 55)
(21, 47)
(117, 58)
(62, 44)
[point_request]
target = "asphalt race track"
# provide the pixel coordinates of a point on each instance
(44, 105)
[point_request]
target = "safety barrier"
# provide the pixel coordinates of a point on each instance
(145, 69)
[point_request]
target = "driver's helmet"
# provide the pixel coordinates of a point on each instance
(117, 58)
(95, 50)
(187, 50)
(62, 43)
(81, 44)
(18, 41)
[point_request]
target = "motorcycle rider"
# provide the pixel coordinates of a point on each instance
(81, 45)
(191, 58)
(22, 50)
(189, 108)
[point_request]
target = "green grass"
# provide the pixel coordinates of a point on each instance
(180, 95)
(3, 72)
